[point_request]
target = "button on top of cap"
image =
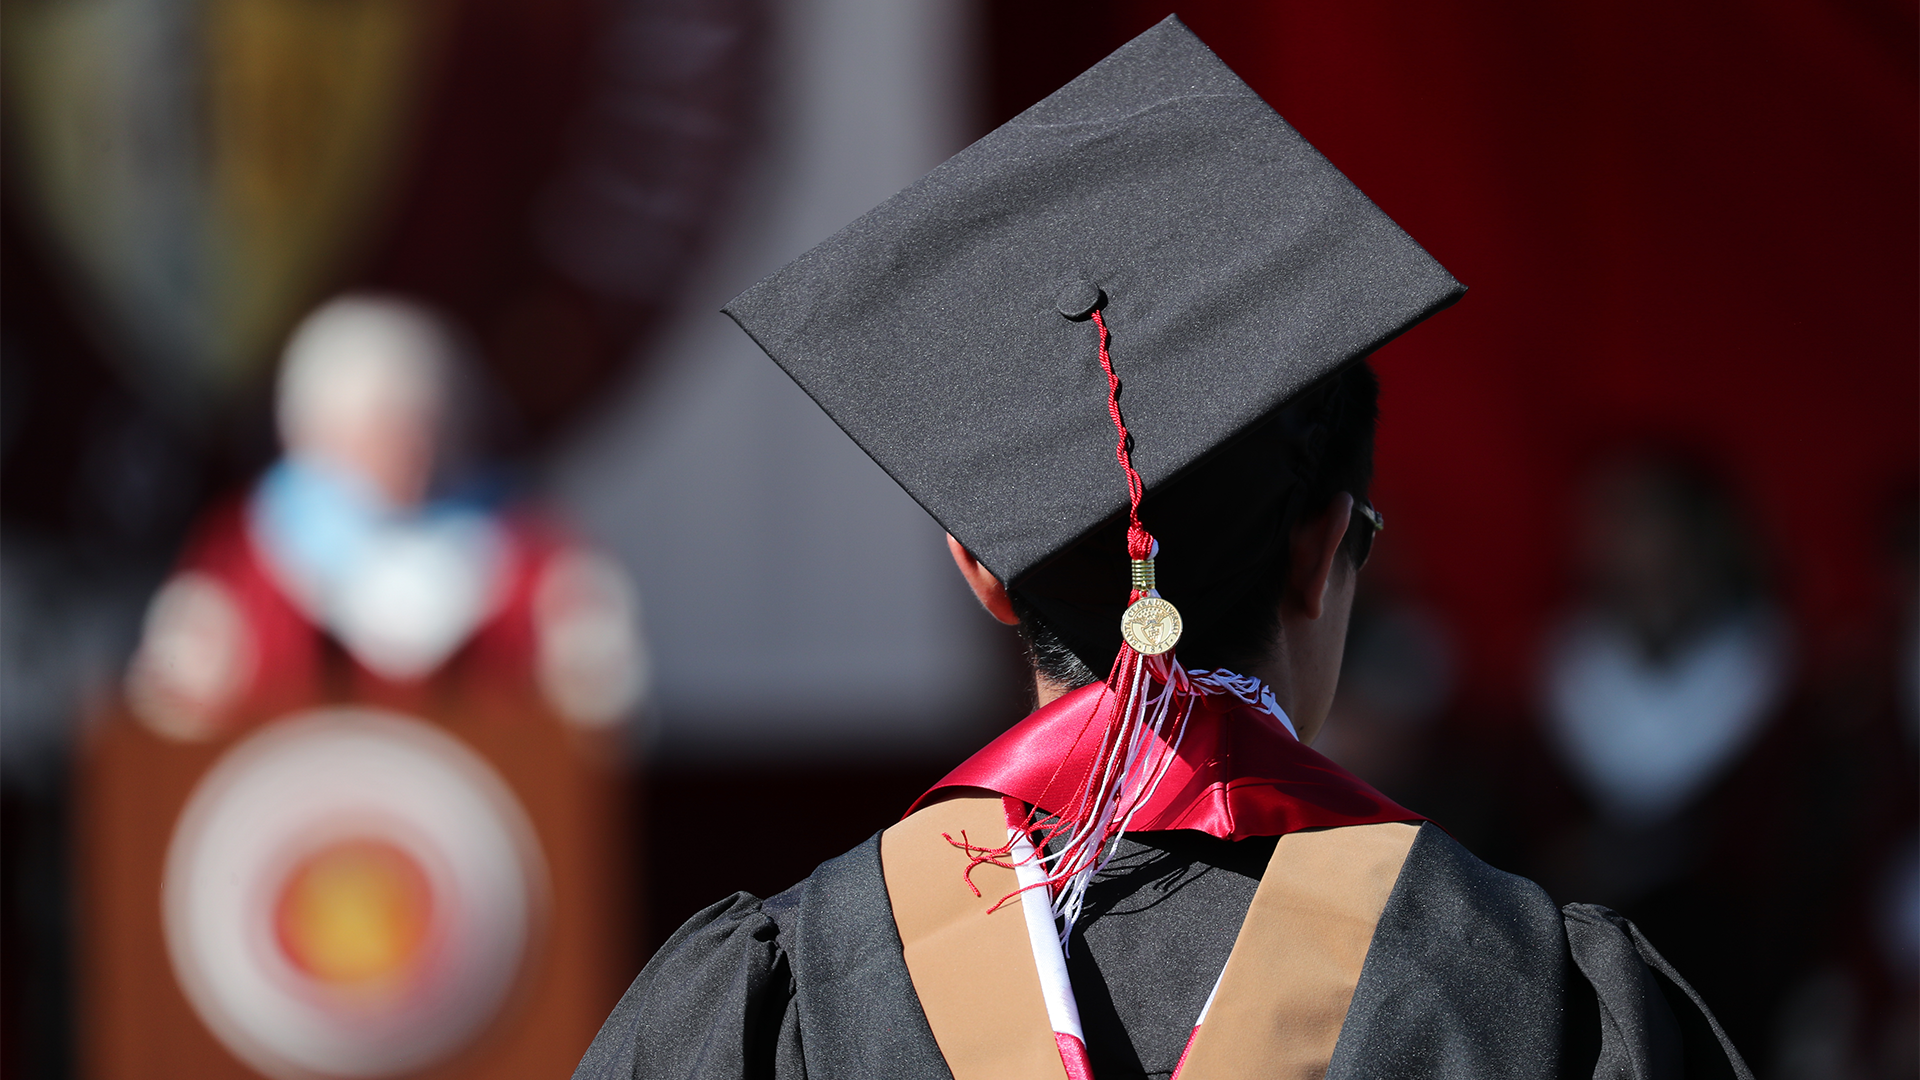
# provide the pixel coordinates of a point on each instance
(1079, 299)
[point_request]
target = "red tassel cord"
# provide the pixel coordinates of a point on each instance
(1151, 700)
(976, 855)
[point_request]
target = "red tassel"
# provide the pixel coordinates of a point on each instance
(1139, 541)
(1139, 732)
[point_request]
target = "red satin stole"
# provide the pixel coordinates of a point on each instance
(1238, 772)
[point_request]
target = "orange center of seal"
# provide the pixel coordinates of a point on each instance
(355, 914)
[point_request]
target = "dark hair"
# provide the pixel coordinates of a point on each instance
(1224, 529)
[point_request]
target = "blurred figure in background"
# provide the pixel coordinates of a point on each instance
(370, 761)
(362, 536)
(1659, 688)
(1852, 1009)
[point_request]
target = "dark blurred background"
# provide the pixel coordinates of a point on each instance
(1643, 626)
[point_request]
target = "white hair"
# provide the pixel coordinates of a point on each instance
(359, 354)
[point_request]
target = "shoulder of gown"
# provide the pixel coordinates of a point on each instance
(1472, 973)
(717, 1000)
(1476, 973)
(809, 982)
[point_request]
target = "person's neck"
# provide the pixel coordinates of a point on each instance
(1046, 691)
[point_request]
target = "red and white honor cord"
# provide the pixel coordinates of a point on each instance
(1050, 960)
(1140, 744)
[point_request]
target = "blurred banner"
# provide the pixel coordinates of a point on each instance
(197, 175)
(205, 169)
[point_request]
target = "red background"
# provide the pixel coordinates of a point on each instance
(1693, 223)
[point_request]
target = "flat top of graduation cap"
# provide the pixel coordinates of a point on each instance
(946, 330)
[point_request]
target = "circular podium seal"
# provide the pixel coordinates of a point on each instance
(350, 893)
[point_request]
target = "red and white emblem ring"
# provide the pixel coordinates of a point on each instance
(350, 893)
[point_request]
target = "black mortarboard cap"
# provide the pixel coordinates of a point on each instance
(946, 330)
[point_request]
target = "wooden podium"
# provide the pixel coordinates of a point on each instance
(139, 1021)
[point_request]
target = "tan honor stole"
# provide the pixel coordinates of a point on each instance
(1280, 1002)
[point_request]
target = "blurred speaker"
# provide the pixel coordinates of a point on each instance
(339, 875)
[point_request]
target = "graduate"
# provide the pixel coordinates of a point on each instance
(1117, 349)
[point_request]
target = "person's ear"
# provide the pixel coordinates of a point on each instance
(1316, 544)
(986, 588)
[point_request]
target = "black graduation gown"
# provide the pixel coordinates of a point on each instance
(1472, 974)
